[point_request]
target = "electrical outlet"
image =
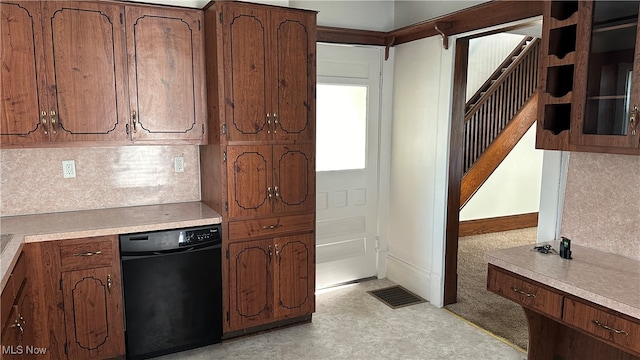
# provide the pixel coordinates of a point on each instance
(178, 164)
(68, 169)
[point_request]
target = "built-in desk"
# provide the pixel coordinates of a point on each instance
(584, 308)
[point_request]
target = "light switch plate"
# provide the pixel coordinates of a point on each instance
(178, 164)
(68, 169)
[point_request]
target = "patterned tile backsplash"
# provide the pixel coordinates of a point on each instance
(106, 177)
(602, 203)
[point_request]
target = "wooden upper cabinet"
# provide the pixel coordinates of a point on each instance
(294, 94)
(609, 90)
(166, 73)
(63, 72)
(84, 49)
(22, 72)
(269, 62)
(270, 179)
(294, 178)
(590, 77)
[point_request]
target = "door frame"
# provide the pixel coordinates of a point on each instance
(456, 135)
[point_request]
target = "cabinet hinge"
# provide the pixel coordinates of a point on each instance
(227, 253)
(227, 316)
(224, 128)
(60, 283)
(224, 156)
(126, 128)
(226, 206)
(66, 349)
(199, 25)
(121, 19)
(202, 129)
(220, 17)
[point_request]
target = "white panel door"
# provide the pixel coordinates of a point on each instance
(348, 105)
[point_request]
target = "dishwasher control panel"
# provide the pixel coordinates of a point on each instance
(170, 240)
(194, 237)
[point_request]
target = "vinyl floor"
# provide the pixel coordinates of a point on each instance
(349, 323)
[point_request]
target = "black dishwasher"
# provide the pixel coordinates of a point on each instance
(172, 284)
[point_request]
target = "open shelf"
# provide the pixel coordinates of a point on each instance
(557, 117)
(562, 10)
(559, 80)
(562, 41)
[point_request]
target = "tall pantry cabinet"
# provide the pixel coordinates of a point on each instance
(259, 166)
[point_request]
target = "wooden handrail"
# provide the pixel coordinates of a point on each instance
(520, 49)
(500, 104)
(498, 151)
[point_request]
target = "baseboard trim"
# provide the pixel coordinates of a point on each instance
(497, 224)
(409, 276)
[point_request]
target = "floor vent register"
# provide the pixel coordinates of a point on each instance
(396, 296)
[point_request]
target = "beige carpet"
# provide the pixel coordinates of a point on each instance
(483, 308)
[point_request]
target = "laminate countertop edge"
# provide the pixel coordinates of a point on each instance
(101, 222)
(603, 278)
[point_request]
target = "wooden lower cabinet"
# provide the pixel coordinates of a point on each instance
(270, 280)
(18, 320)
(562, 326)
(93, 313)
(79, 297)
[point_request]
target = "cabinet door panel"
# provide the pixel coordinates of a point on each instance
(249, 180)
(250, 288)
(22, 90)
(609, 91)
(294, 279)
(246, 74)
(93, 313)
(294, 63)
(85, 71)
(165, 73)
(295, 178)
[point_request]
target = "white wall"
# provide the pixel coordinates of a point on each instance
(514, 187)
(486, 53)
(419, 150)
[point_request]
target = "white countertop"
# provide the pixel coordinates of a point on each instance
(89, 223)
(603, 278)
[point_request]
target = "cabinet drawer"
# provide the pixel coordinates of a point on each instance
(271, 226)
(87, 253)
(602, 324)
(524, 292)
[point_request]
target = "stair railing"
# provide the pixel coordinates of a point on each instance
(500, 103)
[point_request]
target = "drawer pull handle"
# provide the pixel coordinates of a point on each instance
(109, 284)
(515, 289)
(271, 227)
(610, 329)
(88, 253)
